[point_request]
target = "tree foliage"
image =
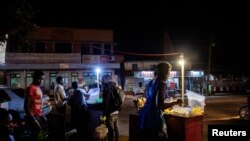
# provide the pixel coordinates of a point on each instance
(17, 18)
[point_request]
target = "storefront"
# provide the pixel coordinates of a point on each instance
(192, 80)
(22, 79)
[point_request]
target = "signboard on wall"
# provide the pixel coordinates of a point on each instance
(91, 59)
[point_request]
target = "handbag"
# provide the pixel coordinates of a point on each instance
(101, 132)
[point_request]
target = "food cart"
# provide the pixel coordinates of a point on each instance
(186, 123)
(184, 128)
(182, 123)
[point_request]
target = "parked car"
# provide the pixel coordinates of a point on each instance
(15, 100)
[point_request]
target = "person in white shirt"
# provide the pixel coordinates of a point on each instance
(60, 96)
(140, 89)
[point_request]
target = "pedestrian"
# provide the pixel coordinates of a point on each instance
(140, 89)
(33, 104)
(6, 126)
(79, 114)
(150, 117)
(201, 88)
(60, 96)
(110, 110)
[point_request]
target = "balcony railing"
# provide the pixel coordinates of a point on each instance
(29, 58)
(33, 58)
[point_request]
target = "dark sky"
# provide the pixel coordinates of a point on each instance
(139, 27)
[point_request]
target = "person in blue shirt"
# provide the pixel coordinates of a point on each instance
(150, 117)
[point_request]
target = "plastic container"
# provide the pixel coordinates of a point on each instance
(195, 99)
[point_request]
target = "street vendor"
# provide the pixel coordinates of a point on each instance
(150, 118)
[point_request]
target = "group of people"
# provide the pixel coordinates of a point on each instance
(150, 117)
(80, 117)
(37, 121)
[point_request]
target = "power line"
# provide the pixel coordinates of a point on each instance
(141, 54)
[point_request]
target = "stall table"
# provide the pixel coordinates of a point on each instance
(184, 128)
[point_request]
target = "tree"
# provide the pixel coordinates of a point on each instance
(17, 19)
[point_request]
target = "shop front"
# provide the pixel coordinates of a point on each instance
(194, 80)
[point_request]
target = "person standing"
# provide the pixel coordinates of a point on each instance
(110, 111)
(201, 88)
(60, 96)
(79, 115)
(150, 117)
(33, 106)
(140, 89)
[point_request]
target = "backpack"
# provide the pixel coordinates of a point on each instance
(117, 97)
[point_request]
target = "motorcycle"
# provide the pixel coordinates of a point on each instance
(244, 111)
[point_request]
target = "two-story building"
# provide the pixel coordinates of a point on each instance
(72, 53)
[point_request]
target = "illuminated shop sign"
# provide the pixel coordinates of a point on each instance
(195, 74)
(150, 74)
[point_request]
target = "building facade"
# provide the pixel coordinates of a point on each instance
(143, 71)
(72, 53)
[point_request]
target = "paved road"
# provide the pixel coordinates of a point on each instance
(218, 109)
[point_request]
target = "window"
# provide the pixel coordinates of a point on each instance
(134, 67)
(52, 79)
(97, 50)
(29, 79)
(107, 73)
(15, 80)
(63, 48)
(74, 76)
(86, 49)
(89, 78)
(107, 49)
(65, 81)
(40, 47)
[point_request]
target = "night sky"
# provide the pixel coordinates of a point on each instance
(139, 27)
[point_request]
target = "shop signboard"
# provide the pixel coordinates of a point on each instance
(91, 59)
(195, 74)
(150, 74)
(103, 58)
(144, 74)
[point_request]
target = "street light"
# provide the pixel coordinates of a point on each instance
(182, 77)
(97, 76)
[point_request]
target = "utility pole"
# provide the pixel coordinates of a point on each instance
(211, 45)
(182, 78)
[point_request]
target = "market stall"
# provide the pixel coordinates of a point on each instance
(183, 123)
(186, 123)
